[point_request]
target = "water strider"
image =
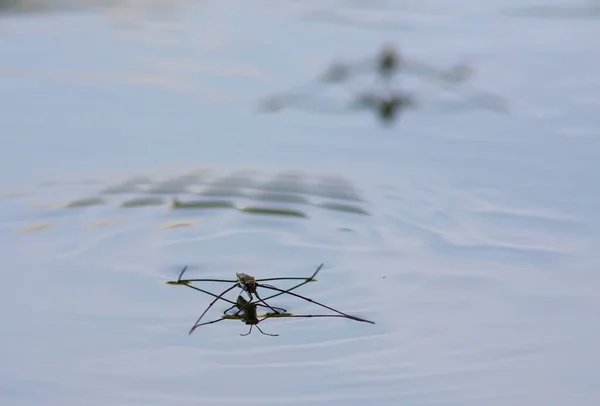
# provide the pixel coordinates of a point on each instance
(247, 310)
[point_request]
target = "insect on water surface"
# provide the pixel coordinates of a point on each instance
(248, 284)
(247, 310)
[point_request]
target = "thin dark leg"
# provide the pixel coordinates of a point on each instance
(241, 309)
(293, 315)
(265, 303)
(207, 280)
(185, 281)
(204, 324)
(271, 315)
(213, 302)
(267, 334)
(317, 303)
(282, 310)
(284, 279)
(181, 273)
(308, 315)
(296, 286)
(232, 307)
(296, 315)
(260, 321)
(249, 331)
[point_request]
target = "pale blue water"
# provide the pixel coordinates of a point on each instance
(477, 261)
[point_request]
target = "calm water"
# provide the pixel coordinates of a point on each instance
(469, 236)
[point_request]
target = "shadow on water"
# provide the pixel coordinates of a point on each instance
(280, 196)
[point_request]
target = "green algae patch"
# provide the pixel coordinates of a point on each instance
(274, 212)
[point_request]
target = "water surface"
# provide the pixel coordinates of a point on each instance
(467, 236)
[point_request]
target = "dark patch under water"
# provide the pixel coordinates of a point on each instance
(289, 189)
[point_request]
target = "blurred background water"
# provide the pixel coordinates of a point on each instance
(468, 234)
